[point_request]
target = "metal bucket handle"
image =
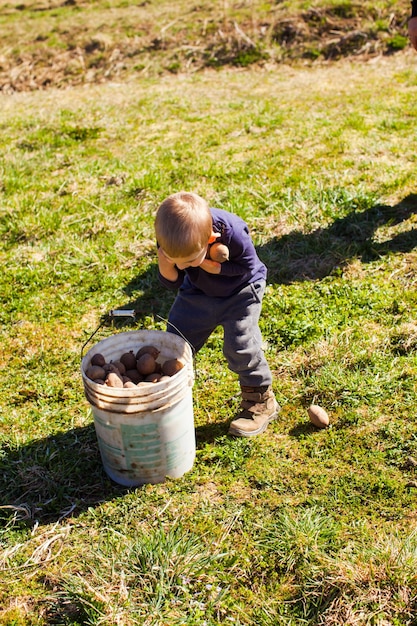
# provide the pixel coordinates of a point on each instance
(110, 315)
(130, 313)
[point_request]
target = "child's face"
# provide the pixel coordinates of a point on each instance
(194, 260)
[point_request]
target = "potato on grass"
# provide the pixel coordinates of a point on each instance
(318, 416)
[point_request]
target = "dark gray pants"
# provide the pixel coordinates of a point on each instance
(195, 316)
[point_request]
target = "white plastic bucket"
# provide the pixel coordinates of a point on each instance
(144, 433)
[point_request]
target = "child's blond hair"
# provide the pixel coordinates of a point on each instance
(183, 224)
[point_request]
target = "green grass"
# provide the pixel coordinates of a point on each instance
(297, 526)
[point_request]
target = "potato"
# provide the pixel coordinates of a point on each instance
(114, 380)
(129, 360)
(153, 378)
(145, 364)
(98, 359)
(171, 367)
(318, 416)
(219, 252)
(121, 368)
(134, 375)
(147, 350)
(110, 367)
(95, 371)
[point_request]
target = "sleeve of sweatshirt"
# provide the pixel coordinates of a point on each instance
(413, 8)
(242, 254)
(174, 286)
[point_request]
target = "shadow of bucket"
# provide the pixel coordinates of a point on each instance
(145, 433)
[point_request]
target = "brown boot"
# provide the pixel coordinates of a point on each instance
(259, 407)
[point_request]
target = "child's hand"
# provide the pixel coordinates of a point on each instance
(212, 267)
(162, 257)
(167, 266)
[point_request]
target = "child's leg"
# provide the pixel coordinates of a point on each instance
(192, 317)
(244, 353)
(242, 337)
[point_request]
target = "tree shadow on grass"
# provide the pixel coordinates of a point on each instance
(300, 431)
(146, 297)
(55, 477)
(208, 433)
(62, 475)
(297, 256)
(293, 257)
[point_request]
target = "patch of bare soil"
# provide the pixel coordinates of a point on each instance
(82, 57)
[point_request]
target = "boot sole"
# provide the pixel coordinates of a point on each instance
(244, 433)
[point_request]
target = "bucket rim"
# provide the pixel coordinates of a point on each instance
(142, 389)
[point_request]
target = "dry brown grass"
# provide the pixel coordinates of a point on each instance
(47, 44)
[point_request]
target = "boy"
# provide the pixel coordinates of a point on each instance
(215, 294)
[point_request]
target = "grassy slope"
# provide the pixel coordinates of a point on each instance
(47, 43)
(323, 168)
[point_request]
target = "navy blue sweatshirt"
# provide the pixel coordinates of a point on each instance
(413, 8)
(242, 268)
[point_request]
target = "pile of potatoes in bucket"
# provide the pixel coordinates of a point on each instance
(132, 369)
